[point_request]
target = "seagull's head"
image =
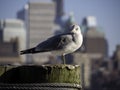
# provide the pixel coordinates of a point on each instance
(75, 29)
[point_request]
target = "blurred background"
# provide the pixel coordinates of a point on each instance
(25, 23)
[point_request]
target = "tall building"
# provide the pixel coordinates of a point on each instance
(94, 38)
(13, 39)
(59, 10)
(40, 22)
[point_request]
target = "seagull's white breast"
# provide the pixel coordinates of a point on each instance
(71, 47)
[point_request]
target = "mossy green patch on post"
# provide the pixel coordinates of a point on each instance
(2, 70)
(63, 74)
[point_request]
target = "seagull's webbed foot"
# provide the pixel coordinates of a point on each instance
(63, 58)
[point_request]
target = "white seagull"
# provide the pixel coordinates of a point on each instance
(60, 44)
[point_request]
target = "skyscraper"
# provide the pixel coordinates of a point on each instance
(41, 17)
(59, 10)
(94, 38)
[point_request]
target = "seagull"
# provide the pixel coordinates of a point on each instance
(61, 44)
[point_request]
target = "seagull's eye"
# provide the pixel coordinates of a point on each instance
(76, 28)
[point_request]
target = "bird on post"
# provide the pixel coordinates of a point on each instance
(60, 44)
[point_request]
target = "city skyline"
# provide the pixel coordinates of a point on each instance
(106, 12)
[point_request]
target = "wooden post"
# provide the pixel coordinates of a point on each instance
(63, 74)
(43, 74)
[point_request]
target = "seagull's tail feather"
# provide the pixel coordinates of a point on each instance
(28, 51)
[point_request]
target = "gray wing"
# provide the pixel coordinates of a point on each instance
(55, 43)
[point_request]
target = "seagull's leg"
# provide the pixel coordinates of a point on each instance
(63, 58)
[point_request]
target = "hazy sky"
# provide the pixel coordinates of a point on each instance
(107, 13)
